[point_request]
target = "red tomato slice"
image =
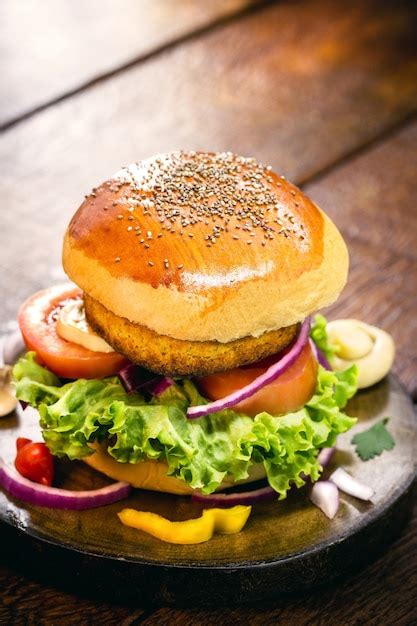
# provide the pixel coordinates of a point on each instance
(37, 321)
(287, 393)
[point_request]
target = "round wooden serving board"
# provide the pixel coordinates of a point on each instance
(285, 546)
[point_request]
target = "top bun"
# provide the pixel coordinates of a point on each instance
(205, 247)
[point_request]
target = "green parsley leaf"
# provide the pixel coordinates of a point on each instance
(374, 441)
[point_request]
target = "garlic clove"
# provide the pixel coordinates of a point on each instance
(352, 341)
(368, 347)
(8, 400)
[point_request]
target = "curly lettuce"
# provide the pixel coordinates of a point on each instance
(319, 335)
(200, 452)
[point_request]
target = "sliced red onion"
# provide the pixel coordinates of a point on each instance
(350, 485)
(160, 386)
(325, 456)
(136, 378)
(325, 495)
(54, 498)
(271, 374)
(320, 358)
(23, 404)
(226, 500)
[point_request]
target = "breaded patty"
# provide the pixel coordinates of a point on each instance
(175, 357)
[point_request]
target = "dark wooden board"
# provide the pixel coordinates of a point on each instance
(382, 593)
(53, 47)
(285, 547)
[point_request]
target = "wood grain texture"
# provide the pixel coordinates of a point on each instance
(300, 85)
(237, 88)
(384, 593)
(371, 199)
(51, 47)
(370, 196)
(32, 604)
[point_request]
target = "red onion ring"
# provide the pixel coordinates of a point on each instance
(320, 358)
(136, 378)
(54, 498)
(267, 377)
(160, 386)
(226, 500)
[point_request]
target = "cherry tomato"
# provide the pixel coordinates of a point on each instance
(289, 392)
(37, 321)
(22, 441)
(34, 461)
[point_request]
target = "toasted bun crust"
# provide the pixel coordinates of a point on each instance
(152, 475)
(175, 357)
(205, 247)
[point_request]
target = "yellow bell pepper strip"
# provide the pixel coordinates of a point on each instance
(199, 530)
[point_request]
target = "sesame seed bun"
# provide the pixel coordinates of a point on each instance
(205, 247)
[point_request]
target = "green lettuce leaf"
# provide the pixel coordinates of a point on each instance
(319, 335)
(201, 452)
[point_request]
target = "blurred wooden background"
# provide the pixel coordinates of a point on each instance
(325, 92)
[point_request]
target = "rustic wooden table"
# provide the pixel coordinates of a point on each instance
(324, 91)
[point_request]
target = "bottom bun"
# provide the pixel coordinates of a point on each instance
(152, 475)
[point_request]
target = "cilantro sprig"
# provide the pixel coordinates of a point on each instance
(374, 441)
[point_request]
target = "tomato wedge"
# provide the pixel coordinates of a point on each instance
(289, 392)
(37, 321)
